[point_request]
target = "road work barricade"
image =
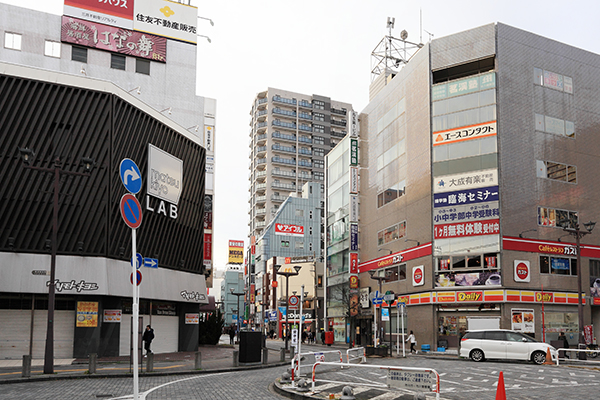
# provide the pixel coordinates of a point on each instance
(575, 355)
(413, 379)
(319, 356)
(358, 353)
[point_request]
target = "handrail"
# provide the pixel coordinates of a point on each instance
(299, 357)
(387, 367)
(363, 358)
(576, 350)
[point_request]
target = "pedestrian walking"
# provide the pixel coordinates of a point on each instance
(147, 338)
(413, 342)
(565, 344)
(322, 336)
(231, 334)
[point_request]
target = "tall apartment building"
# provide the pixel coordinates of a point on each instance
(290, 133)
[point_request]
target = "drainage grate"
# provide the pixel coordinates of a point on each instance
(101, 396)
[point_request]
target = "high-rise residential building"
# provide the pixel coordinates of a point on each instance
(290, 134)
(478, 164)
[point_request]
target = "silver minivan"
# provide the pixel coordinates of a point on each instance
(479, 345)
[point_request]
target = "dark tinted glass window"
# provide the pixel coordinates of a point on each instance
(117, 61)
(495, 335)
(473, 335)
(79, 54)
(142, 66)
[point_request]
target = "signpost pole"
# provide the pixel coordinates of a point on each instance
(375, 322)
(135, 312)
(301, 325)
(403, 342)
(399, 315)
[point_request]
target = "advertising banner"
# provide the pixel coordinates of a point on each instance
(595, 286)
(364, 297)
(166, 18)
(467, 229)
(236, 252)
(354, 263)
(192, 318)
(476, 131)
(489, 278)
(113, 39)
(208, 212)
(87, 314)
(289, 230)
(208, 137)
(353, 237)
(353, 208)
(385, 314)
(466, 213)
(522, 271)
(467, 196)
(353, 281)
(108, 12)
(418, 276)
(353, 152)
(465, 180)
(354, 180)
(112, 316)
(523, 320)
(165, 175)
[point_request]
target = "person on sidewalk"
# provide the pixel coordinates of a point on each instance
(565, 343)
(413, 342)
(147, 338)
(231, 334)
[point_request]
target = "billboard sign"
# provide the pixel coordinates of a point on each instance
(165, 175)
(109, 12)
(113, 39)
(166, 18)
(454, 135)
(236, 252)
(466, 196)
(465, 229)
(353, 237)
(466, 213)
(289, 230)
(465, 180)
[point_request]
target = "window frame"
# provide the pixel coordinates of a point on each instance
(54, 45)
(139, 63)
(115, 60)
(79, 54)
(13, 36)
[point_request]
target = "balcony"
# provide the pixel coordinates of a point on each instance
(305, 104)
(260, 224)
(305, 152)
(304, 139)
(304, 176)
(260, 149)
(260, 138)
(287, 149)
(285, 186)
(304, 163)
(260, 174)
(260, 199)
(341, 134)
(260, 113)
(338, 123)
(283, 160)
(288, 125)
(306, 128)
(261, 211)
(336, 111)
(284, 112)
(305, 116)
(280, 99)
(262, 101)
(260, 186)
(285, 174)
(278, 198)
(260, 161)
(279, 135)
(261, 125)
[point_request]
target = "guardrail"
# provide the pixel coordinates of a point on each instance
(297, 359)
(363, 357)
(389, 368)
(577, 351)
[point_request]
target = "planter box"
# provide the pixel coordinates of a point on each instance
(377, 351)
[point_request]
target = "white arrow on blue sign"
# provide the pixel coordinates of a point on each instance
(151, 262)
(139, 260)
(130, 175)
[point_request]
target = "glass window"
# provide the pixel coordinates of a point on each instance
(538, 76)
(117, 61)
(299, 213)
(79, 54)
(539, 123)
(52, 49)
(12, 41)
(299, 245)
(142, 66)
(495, 335)
(558, 265)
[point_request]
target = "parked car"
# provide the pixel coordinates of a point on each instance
(479, 345)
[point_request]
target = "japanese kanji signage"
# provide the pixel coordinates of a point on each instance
(353, 152)
(465, 229)
(465, 213)
(289, 230)
(108, 12)
(468, 180)
(166, 18)
(87, 314)
(476, 131)
(113, 39)
(236, 251)
(468, 196)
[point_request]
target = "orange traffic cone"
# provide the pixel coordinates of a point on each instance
(548, 358)
(501, 391)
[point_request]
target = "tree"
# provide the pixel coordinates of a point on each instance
(211, 328)
(342, 296)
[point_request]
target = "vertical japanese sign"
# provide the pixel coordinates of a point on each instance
(236, 251)
(353, 152)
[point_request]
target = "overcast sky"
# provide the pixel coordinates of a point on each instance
(323, 47)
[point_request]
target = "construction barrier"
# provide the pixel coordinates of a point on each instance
(319, 356)
(361, 354)
(576, 351)
(433, 388)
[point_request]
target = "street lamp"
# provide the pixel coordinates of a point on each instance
(578, 234)
(287, 273)
(238, 305)
(27, 156)
(379, 279)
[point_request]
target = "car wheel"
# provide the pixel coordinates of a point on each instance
(476, 355)
(538, 357)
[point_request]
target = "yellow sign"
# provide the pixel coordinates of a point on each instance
(236, 251)
(87, 314)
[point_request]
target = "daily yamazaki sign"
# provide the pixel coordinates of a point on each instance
(469, 296)
(490, 296)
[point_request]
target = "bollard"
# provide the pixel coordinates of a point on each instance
(265, 355)
(93, 361)
(282, 354)
(26, 366)
(198, 363)
(150, 362)
(236, 358)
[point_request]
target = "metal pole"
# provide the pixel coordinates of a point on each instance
(136, 312)
(301, 325)
(582, 355)
(287, 293)
(398, 331)
(49, 354)
(403, 342)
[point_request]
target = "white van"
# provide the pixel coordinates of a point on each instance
(503, 344)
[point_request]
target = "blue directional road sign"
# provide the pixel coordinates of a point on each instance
(139, 260)
(131, 211)
(151, 262)
(130, 175)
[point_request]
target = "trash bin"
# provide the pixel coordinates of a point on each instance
(250, 347)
